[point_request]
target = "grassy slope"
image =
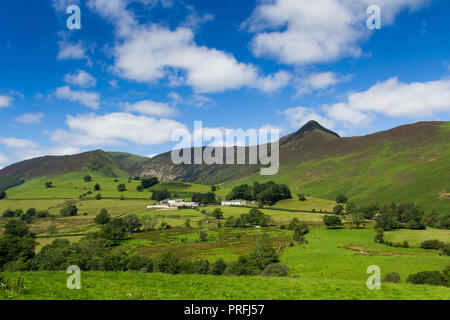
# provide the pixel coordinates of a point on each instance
(415, 237)
(322, 269)
(72, 185)
(402, 170)
(136, 286)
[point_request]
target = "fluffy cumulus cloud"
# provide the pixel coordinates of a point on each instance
(298, 116)
(81, 79)
(393, 98)
(71, 50)
(320, 81)
(5, 101)
(115, 129)
(22, 149)
(152, 53)
(15, 143)
(88, 99)
(302, 31)
(30, 118)
(151, 108)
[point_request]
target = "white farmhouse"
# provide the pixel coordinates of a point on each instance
(234, 203)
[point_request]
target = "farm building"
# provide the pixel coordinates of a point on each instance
(234, 203)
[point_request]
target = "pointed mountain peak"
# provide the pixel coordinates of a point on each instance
(314, 125)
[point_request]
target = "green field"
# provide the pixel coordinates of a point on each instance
(332, 265)
(137, 286)
(72, 186)
(328, 267)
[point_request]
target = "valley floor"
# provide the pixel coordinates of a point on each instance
(138, 286)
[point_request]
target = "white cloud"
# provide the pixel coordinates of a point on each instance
(153, 53)
(71, 51)
(15, 143)
(5, 101)
(61, 5)
(393, 98)
(81, 79)
(30, 118)
(3, 160)
(304, 31)
(115, 129)
(152, 108)
(320, 81)
(298, 116)
(89, 99)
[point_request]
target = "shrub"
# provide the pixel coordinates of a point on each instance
(115, 262)
(392, 277)
(300, 231)
(332, 222)
(98, 196)
(379, 237)
(103, 217)
(69, 211)
(49, 185)
(341, 198)
(121, 187)
(87, 178)
(217, 213)
(97, 187)
(218, 267)
(445, 251)
(138, 263)
(149, 182)
(2, 195)
(275, 270)
(200, 267)
(432, 244)
(301, 197)
(339, 209)
(434, 278)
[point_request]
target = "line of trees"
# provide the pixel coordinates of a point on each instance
(266, 193)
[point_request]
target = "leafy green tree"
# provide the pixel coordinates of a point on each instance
(69, 211)
(17, 228)
(357, 218)
(103, 217)
(300, 231)
(218, 267)
(140, 188)
(87, 178)
(114, 230)
(132, 223)
(187, 223)
(301, 197)
(49, 185)
(213, 188)
(339, 209)
(332, 222)
(217, 213)
(97, 187)
(341, 198)
(98, 196)
(149, 182)
(263, 253)
(121, 187)
(2, 195)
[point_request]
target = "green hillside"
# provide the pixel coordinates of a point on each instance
(408, 163)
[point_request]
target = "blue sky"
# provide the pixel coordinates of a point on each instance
(138, 70)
